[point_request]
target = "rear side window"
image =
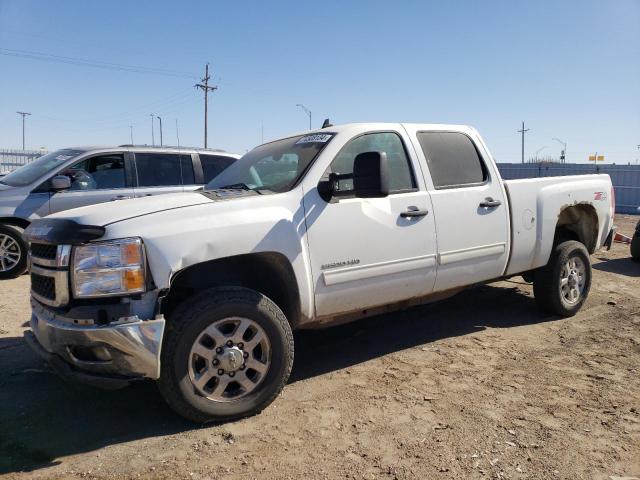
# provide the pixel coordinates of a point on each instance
(213, 165)
(452, 158)
(164, 169)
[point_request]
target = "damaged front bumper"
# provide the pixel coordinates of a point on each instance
(107, 356)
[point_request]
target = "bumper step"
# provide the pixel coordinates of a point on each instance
(69, 374)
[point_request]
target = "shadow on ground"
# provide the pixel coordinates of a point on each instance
(621, 266)
(42, 419)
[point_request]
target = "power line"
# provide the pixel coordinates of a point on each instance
(204, 86)
(83, 62)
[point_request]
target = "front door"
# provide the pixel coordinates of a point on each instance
(471, 211)
(364, 252)
(96, 179)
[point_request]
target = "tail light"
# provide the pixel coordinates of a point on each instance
(613, 202)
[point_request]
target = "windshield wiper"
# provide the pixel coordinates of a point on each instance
(237, 186)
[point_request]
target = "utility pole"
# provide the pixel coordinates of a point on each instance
(160, 118)
(307, 111)
(204, 86)
(153, 140)
(24, 114)
(523, 131)
(131, 132)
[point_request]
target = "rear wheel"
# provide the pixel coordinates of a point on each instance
(562, 286)
(227, 354)
(635, 246)
(13, 252)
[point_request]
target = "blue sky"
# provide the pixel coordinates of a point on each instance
(570, 69)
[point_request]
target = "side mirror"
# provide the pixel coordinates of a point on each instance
(60, 182)
(371, 175)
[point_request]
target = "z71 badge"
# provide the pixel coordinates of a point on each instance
(602, 196)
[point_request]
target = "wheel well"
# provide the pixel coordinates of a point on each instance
(269, 273)
(18, 222)
(578, 222)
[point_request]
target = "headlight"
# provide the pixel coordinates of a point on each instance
(108, 268)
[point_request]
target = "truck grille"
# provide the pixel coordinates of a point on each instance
(43, 286)
(49, 271)
(42, 250)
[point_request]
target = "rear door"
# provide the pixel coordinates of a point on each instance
(97, 179)
(158, 173)
(469, 205)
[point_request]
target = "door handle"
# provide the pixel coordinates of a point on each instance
(120, 197)
(490, 203)
(414, 212)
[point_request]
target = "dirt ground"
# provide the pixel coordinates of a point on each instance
(479, 386)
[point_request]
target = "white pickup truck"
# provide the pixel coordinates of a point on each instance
(201, 291)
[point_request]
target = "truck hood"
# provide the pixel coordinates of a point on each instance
(103, 214)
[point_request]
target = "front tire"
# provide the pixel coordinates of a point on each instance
(562, 286)
(13, 252)
(227, 354)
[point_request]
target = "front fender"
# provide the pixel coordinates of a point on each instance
(177, 239)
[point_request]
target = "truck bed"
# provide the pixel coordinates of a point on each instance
(534, 204)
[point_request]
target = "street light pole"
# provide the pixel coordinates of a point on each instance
(564, 146)
(307, 111)
(131, 132)
(24, 114)
(153, 140)
(160, 118)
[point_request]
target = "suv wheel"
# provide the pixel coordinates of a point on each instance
(13, 252)
(227, 354)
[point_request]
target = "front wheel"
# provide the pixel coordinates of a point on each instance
(562, 286)
(13, 252)
(227, 354)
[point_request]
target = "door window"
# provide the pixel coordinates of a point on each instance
(104, 172)
(401, 177)
(453, 159)
(164, 169)
(213, 165)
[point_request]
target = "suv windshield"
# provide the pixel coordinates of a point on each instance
(274, 166)
(36, 169)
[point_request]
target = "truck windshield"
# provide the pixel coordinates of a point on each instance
(30, 172)
(274, 166)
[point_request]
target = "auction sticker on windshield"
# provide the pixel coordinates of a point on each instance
(317, 138)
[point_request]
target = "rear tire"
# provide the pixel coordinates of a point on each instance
(562, 286)
(635, 247)
(13, 252)
(201, 377)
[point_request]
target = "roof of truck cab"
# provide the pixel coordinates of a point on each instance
(345, 127)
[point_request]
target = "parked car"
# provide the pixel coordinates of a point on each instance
(201, 291)
(74, 177)
(635, 242)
